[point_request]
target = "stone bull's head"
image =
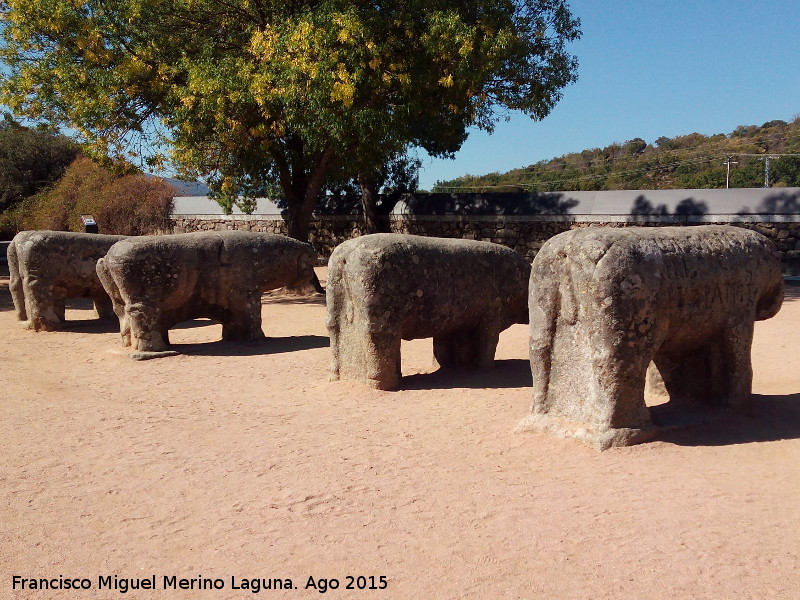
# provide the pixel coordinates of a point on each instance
(769, 303)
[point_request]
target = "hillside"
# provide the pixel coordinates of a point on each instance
(691, 161)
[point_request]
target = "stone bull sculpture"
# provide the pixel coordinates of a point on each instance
(48, 267)
(386, 287)
(606, 302)
(156, 282)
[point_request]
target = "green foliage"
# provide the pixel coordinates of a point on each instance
(399, 174)
(691, 161)
(288, 93)
(30, 160)
(124, 205)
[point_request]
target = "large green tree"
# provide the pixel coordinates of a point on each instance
(30, 160)
(284, 91)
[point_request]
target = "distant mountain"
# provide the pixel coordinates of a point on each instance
(184, 188)
(691, 161)
(188, 188)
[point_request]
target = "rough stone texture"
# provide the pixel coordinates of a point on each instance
(48, 267)
(386, 287)
(606, 302)
(156, 282)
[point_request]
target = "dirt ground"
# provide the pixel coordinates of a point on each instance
(242, 462)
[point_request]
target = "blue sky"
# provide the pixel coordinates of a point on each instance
(650, 68)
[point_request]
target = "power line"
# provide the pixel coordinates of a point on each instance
(771, 155)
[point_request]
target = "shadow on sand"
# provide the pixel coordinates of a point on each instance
(769, 419)
(512, 373)
(268, 346)
(5, 297)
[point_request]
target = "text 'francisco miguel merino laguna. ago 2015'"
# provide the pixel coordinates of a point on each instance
(172, 582)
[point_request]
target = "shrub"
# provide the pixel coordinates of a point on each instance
(123, 205)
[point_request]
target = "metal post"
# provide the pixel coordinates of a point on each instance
(729, 162)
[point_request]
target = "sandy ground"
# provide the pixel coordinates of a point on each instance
(243, 461)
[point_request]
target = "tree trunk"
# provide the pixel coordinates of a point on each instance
(302, 188)
(369, 198)
(298, 224)
(298, 216)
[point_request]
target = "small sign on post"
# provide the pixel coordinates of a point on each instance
(89, 224)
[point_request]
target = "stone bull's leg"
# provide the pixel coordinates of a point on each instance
(590, 391)
(335, 364)
(243, 318)
(458, 349)
(115, 298)
(125, 330)
(620, 380)
(383, 366)
(18, 297)
(488, 338)
(718, 373)
(145, 328)
(737, 365)
(469, 347)
(372, 358)
(60, 304)
(334, 317)
(39, 305)
(103, 306)
(15, 283)
(692, 376)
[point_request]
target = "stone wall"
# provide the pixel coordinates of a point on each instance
(525, 234)
(325, 234)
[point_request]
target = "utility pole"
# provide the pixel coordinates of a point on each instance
(729, 162)
(766, 160)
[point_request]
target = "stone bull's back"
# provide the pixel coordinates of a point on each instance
(449, 282)
(206, 265)
(693, 270)
(42, 249)
(276, 259)
(158, 261)
(65, 258)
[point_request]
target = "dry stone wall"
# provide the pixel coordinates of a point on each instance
(525, 234)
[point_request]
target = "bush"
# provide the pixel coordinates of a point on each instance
(122, 205)
(136, 205)
(30, 161)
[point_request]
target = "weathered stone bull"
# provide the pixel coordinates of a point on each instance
(386, 287)
(606, 302)
(48, 267)
(156, 282)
